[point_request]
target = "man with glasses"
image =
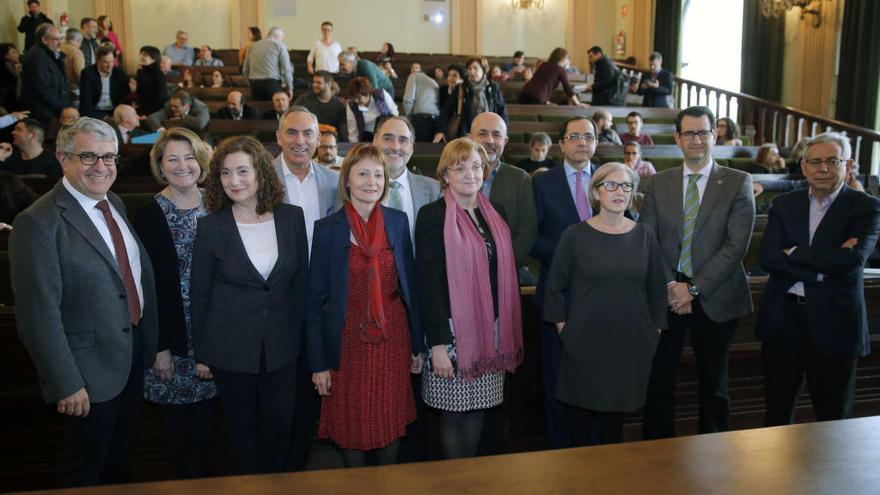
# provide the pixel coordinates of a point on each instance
(179, 51)
(44, 89)
(85, 305)
(328, 151)
(561, 199)
(702, 214)
(812, 321)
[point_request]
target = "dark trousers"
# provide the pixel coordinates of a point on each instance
(305, 418)
(263, 89)
(710, 341)
(590, 427)
(258, 411)
(425, 126)
(413, 445)
(554, 412)
(187, 430)
(790, 355)
(96, 446)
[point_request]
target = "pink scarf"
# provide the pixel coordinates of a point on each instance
(470, 292)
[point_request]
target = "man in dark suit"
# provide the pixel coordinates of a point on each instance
(280, 104)
(812, 321)
(237, 109)
(657, 87)
(561, 199)
(89, 29)
(702, 214)
(102, 85)
(604, 85)
(85, 305)
(29, 23)
(44, 89)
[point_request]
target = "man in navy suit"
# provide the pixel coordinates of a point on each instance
(560, 200)
(812, 321)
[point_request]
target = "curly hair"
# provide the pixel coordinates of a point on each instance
(270, 191)
(359, 86)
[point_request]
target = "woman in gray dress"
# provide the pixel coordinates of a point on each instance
(610, 270)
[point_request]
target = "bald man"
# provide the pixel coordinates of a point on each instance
(237, 109)
(126, 124)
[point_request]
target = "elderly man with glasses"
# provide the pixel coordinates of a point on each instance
(44, 89)
(85, 305)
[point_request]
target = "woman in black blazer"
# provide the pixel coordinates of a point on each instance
(152, 93)
(249, 277)
(182, 387)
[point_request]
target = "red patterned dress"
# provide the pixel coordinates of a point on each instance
(371, 400)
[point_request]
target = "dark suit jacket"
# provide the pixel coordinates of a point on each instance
(151, 89)
(328, 284)
(89, 48)
(90, 89)
(247, 113)
(70, 301)
(44, 89)
(604, 81)
(657, 97)
(270, 115)
(837, 321)
(512, 189)
(236, 314)
(137, 131)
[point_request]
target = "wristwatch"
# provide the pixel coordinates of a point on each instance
(694, 290)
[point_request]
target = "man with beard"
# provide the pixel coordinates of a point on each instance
(321, 102)
(236, 108)
(327, 151)
(280, 104)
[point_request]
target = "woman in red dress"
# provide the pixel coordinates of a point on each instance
(364, 337)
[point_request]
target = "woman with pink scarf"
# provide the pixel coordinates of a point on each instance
(469, 297)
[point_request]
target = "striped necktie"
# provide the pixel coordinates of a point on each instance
(691, 208)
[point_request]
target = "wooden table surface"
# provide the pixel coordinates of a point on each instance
(839, 457)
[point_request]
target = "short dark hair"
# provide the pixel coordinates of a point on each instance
(151, 51)
(382, 121)
(33, 1)
(183, 96)
(695, 111)
(85, 21)
(34, 125)
(563, 128)
(104, 50)
(5, 48)
(595, 49)
(655, 56)
(518, 54)
(457, 68)
(325, 75)
(326, 23)
(635, 114)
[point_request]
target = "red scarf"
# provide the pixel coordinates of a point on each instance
(372, 240)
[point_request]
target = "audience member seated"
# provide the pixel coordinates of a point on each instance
(386, 54)
(131, 96)
(728, 133)
(388, 69)
(528, 74)
(365, 108)
(152, 93)
(540, 87)
(438, 74)
(217, 79)
(350, 64)
(186, 80)
(420, 104)
(634, 124)
(183, 110)
(102, 85)
(517, 66)
(497, 75)
(180, 52)
(268, 68)
(415, 67)
(539, 146)
(329, 109)
(658, 86)
(632, 157)
(324, 55)
(74, 61)
(15, 196)
(454, 75)
(327, 151)
(69, 115)
(29, 157)
(44, 88)
(605, 124)
(476, 95)
(237, 109)
(126, 124)
(768, 159)
(10, 76)
(280, 104)
(165, 65)
(206, 58)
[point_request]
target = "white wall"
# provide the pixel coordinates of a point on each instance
(157, 22)
(536, 32)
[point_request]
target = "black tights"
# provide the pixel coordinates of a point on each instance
(187, 429)
(460, 433)
(588, 427)
(384, 456)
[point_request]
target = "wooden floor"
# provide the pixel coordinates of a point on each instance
(838, 457)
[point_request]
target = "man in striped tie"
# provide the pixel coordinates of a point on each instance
(702, 214)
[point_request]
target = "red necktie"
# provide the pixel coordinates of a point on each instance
(134, 304)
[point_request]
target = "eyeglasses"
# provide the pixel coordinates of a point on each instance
(580, 137)
(690, 135)
(462, 169)
(612, 186)
(90, 159)
(831, 162)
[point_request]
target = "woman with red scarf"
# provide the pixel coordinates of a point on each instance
(362, 316)
(469, 298)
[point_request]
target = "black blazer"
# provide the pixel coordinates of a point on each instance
(657, 97)
(90, 89)
(137, 131)
(152, 228)
(151, 89)
(236, 314)
(604, 81)
(271, 115)
(44, 89)
(247, 113)
(837, 319)
(431, 269)
(328, 284)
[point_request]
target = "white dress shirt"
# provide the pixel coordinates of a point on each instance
(305, 195)
(406, 197)
(97, 217)
(104, 102)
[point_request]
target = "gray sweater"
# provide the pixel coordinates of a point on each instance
(268, 59)
(420, 95)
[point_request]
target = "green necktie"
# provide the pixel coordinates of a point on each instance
(691, 208)
(395, 200)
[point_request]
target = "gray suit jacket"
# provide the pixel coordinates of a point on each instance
(70, 302)
(196, 120)
(328, 182)
(721, 235)
(512, 189)
(423, 190)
